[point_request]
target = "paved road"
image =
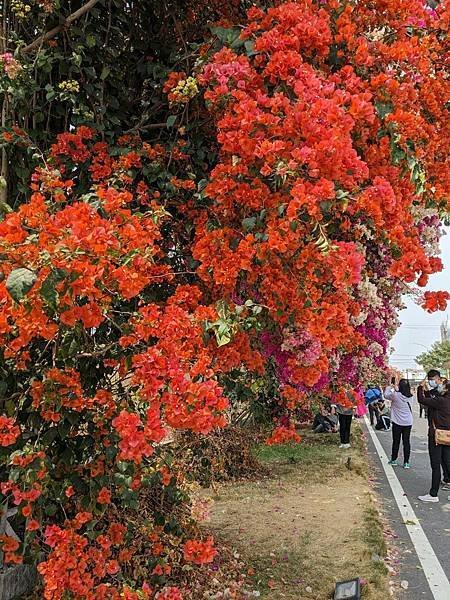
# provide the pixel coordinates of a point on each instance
(434, 518)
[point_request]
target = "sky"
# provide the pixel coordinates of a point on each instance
(419, 328)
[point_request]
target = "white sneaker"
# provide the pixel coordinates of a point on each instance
(342, 446)
(428, 498)
(346, 446)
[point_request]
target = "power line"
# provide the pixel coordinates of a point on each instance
(435, 327)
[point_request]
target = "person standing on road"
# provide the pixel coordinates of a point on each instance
(423, 410)
(437, 399)
(429, 385)
(371, 396)
(446, 476)
(401, 419)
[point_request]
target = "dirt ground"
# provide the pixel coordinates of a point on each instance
(310, 524)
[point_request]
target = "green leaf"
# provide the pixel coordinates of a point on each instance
(171, 120)
(130, 499)
(383, 109)
(63, 429)
(249, 46)
(48, 292)
(48, 288)
(249, 223)
(50, 435)
(3, 388)
(223, 339)
(19, 283)
(119, 478)
(50, 509)
(105, 72)
(229, 37)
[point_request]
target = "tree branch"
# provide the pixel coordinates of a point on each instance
(141, 127)
(67, 22)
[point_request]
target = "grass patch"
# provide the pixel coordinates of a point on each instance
(310, 523)
(374, 535)
(376, 545)
(280, 570)
(304, 452)
(316, 458)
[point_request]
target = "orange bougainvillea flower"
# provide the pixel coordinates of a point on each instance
(33, 525)
(283, 435)
(104, 496)
(166, 476)
(141, 287)
(9, 544)
(9, 431)
(199, 552)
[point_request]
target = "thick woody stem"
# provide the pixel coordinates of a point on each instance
(67, 22)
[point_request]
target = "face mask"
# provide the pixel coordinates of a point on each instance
(440, 388)
(433, 385)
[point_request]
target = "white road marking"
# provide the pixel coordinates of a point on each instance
(436, 577)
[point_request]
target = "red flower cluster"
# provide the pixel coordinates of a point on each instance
(330, 123)
(325, 155)
(9, 431)
(433, 301)
(283, 435)
(199, 552)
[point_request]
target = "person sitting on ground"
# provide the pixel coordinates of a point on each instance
(437, 399)
(333, 418)
(326, 420)
(383, 417)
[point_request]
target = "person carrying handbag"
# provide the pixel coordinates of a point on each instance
(437, 399)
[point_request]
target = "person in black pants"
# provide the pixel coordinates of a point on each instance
(423, 411)
(372, 395)
(437, 399)
(445, 476)
(438, 455)
(345, 424)
(401, 432)
(402, 420)
(383, 417)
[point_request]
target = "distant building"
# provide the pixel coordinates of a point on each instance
(445, 331)
(414, 375)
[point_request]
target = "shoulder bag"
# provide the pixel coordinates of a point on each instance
(441, 436)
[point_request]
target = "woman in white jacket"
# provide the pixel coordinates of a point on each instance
(401, 419)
